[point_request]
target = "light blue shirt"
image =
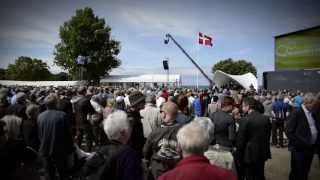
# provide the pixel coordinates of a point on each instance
(13, 99)
(311, 122)
(297, 101)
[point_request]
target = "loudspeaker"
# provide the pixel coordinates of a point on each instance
(165, 65)
(265, 80)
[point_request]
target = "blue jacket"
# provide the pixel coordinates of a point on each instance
(197, 107)
(277, 108)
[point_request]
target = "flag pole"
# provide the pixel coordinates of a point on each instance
(195, 51)
(196, 54)
(168, 74)
(197, 79)
(198, 57)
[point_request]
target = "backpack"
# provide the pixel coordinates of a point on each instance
(166, 157)
(102, 165)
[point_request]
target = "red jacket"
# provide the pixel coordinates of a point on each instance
(197, 168)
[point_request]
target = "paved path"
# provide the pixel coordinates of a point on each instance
(278, 167)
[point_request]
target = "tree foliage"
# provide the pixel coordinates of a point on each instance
(62, 76)
(87, 35)
(28, 69)
(235, 67)
(2, 74)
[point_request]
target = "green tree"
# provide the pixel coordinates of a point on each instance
(87, 35)
(2, 74)
(62, 76)
(28, 69)
(235, 67)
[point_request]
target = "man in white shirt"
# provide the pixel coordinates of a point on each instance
(303, 131)
(151, 118)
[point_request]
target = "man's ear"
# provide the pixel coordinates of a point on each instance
(164, 117)
(179, 150)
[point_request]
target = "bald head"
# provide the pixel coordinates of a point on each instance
(169, 112)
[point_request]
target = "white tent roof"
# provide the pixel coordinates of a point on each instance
(246, 80)
(147, 78)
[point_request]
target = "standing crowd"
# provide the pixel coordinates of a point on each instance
(95, 133)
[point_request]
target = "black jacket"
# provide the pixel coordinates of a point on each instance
(298, 130)
(83, 107)
(158, 138)
(137, 138)
(253, 139)
(54, 132)
(224, 128)
(160, 150)
(18, 110)
(113, 161)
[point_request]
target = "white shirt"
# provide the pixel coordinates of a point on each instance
(160, 101)
(190, 101)
(126, 100)
(150, 119)
(311, 122)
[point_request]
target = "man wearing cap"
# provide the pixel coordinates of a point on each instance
(136, 103)
(224, 130)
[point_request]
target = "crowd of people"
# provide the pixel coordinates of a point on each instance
(96, 132)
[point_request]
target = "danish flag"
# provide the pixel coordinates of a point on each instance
(205, 40)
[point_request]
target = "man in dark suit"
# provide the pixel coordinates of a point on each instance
(253, 147)
(83, 108)
(224, 125)
(55, 137)
(302, 128)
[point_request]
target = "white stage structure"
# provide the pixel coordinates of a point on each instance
(112, 80)
(143, 79)
(246, 80)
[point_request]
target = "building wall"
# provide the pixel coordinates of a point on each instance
(304, 80)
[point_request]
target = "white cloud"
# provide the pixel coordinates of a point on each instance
(36, 34)
(243, 51)
(170, 22)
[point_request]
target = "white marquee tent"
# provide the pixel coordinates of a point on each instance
(143, 78)
(112, 79)
(246, 80)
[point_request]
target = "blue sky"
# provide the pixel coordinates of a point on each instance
(241, 29)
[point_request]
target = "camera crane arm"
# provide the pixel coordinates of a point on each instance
(166, 41)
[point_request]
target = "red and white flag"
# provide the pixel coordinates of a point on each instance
(205, 40)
